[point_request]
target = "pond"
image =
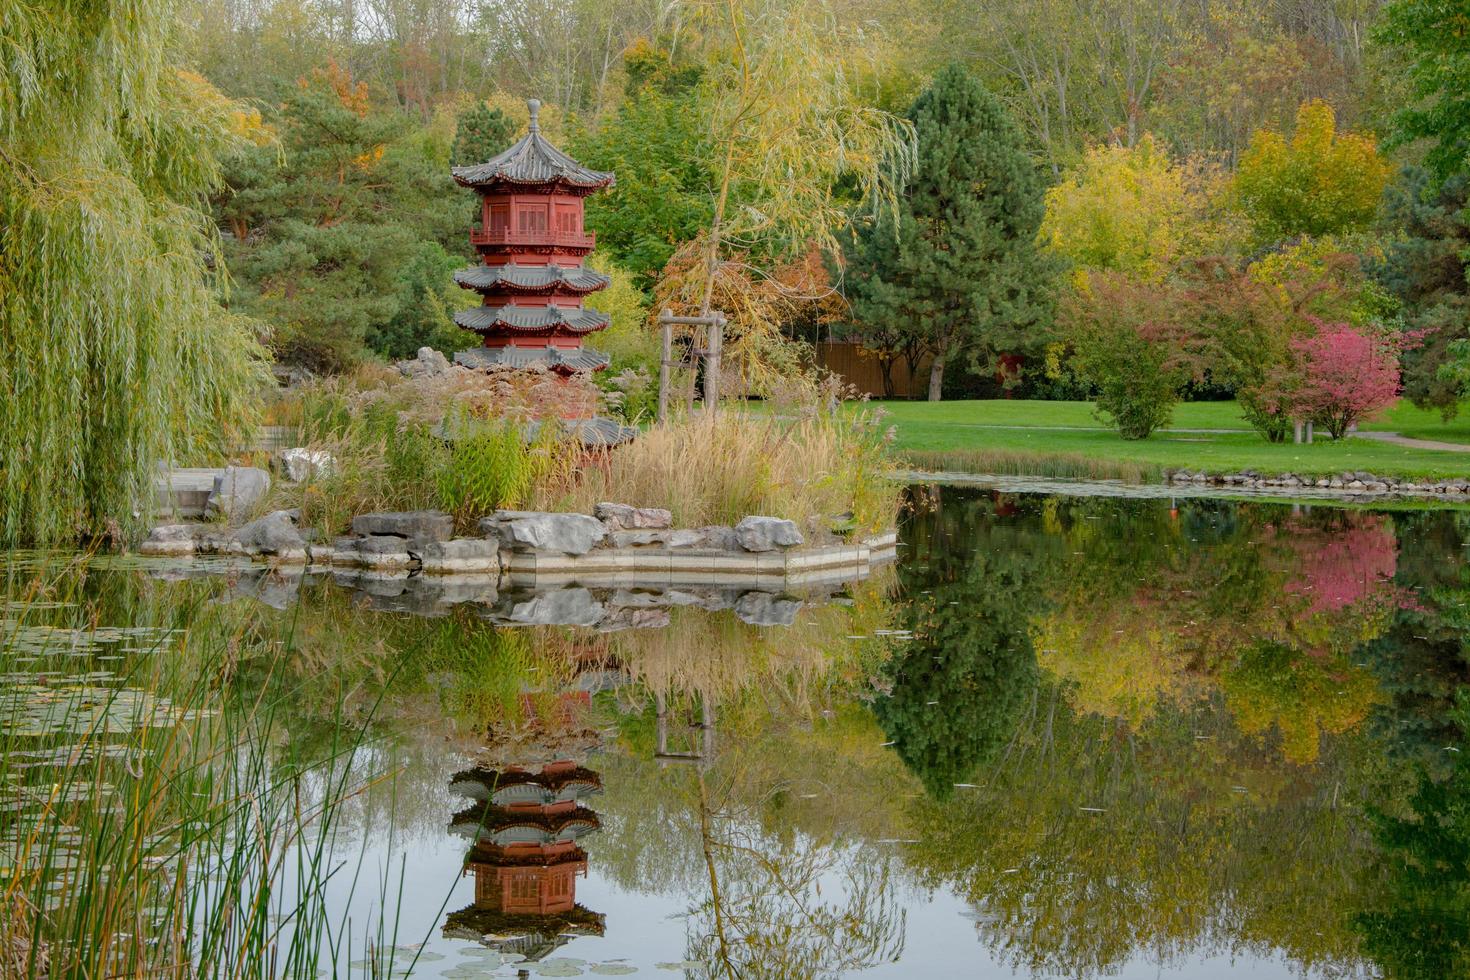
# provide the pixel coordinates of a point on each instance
(1064, 736)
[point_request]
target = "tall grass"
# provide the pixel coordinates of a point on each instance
(153, 824)
(718, 469)
(383, 458)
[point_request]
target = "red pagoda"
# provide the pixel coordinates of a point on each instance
(532, 249)
(524, 827)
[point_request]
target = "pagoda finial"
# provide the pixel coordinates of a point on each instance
(535, 106)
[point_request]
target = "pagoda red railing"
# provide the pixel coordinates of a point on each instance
(565, 239)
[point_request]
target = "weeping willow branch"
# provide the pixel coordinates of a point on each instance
(789, 124)
(117, 352)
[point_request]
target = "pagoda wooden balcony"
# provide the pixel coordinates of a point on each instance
(556, 239)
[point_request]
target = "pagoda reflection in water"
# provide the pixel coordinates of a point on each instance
(524, 827)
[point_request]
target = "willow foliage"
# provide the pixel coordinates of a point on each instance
(117, 353)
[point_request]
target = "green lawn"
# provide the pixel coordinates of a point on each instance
(1064, 438)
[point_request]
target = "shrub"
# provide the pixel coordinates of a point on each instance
(1131, 346)
(1338, 376)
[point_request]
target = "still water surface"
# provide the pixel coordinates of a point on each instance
(1063, 737)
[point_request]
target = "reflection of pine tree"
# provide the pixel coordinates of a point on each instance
(1420, 927)
(1422, 660)
(959, 688)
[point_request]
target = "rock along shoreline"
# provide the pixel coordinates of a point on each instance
(618, 543)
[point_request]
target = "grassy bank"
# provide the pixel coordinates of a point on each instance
(1065, 439)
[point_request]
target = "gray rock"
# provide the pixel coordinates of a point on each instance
(634, 619)
(461, 555)
(765, 609)
(274, 588)
(569, 534)
(559, 607)
(634, 599)
(274, 534)
(621, 517)
(237, 491)
(416, 525)
(767, 534)
(385, 583)
(383, 551)
(301, 464)
(172, 539)
(702, 538)
(639, 539)
(429, 362)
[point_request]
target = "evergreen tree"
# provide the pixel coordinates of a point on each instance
(337, 247)
(480, 133)
(1432, 35)
(117, 353)
(963, 272)
(1425, 265)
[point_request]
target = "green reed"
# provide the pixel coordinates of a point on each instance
(154, 819)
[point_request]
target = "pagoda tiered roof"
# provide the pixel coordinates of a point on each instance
(530, 278)
(505, 828)
(531, 162)
(581, 359)
(531, 319)
(554, 783)
(533, 936)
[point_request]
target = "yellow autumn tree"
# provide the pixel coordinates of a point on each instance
(1124, 208)
(1320, 182)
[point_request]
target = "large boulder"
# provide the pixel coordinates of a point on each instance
(237, 491)
(559, 607)
(274, 534)
(568, 534)
(301, 464)
(415, 525)
(767, 534)
(460, 556)
(383, 551)
(765, 609)
(622, 517)
(429, 362)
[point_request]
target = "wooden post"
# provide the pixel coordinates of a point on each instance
(715, 326)
(712, 364)
(1296, 431)
(664, 367)
(1309, 432)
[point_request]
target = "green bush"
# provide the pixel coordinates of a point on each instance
(1131, 345)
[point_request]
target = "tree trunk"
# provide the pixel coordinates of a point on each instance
(936, 378)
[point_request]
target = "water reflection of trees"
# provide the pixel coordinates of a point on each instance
(1190, 772)
(953, 694)
(1416, 924)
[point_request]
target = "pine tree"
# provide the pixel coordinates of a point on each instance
(964, 272)
(480, 133)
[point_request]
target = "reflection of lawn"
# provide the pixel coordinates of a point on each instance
(1023, 433)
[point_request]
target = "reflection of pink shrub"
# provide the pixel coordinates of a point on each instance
(1349, 565)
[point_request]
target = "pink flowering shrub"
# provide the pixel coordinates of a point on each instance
(1338, 376)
